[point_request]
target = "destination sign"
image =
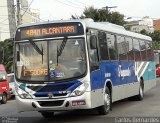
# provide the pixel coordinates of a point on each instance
(49, 30)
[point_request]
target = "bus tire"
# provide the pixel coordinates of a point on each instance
(140, 96)
(4, 98)
(104, 109)
(47, 114)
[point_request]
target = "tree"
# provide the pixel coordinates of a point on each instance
(155, 35)
(6, 48)
(103, 15)
(144, 32)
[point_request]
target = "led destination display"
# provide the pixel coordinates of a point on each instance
(49, 30)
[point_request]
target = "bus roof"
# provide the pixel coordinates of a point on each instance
(105, 26)
(113, 28)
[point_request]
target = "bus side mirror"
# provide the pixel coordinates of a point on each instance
(93, 42)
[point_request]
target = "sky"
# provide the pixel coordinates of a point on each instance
(63, 9)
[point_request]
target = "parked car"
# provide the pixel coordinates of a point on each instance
(4, 85)
(11, 84)
(158, 70)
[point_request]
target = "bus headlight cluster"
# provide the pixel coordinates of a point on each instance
(80, 90)
(22, 94)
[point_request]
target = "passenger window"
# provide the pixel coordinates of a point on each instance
(136, 47)
(121, 45)
(143, 50)
(150, 55)
(129, 45)
(111, 41)
(103, 46)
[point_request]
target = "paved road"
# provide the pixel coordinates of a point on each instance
(149, 107)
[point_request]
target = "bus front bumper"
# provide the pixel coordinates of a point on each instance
(60, 104)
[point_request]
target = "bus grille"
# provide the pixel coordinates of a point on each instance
(50, 103)
(46, 95)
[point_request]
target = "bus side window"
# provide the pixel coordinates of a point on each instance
(149, 51)
(136, 47)
(122, 49)
(104, 55)
(111, 41)
(130, 48)
(143, 50)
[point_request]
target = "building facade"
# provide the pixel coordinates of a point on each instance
(28, 15)
(156, 24)
(7, 19)
(145, 23)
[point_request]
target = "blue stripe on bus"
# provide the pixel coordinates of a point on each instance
(57, 88)
(110, 70)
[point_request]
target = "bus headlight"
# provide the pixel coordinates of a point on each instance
(23, 94)
(80, 90)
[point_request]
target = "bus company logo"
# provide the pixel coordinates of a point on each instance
(123, 73)
(50, 95)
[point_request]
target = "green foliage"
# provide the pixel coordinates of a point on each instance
(102, 15)
(144, 32)
(156, 45)
(117, 18)
(155, 35)
(6, 48)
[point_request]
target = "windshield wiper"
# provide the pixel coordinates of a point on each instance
(40, 51)
(61, 48)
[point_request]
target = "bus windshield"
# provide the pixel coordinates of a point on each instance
(61, 59)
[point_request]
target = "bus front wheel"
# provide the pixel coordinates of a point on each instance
(104, 109)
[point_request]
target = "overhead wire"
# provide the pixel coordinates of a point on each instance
(82, 3)
(69, 5)
(27, 8)
(76, 4)
(32, 15)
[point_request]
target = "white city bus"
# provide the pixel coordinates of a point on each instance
(80, 64)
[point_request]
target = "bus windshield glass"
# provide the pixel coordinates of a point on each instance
(60, 59)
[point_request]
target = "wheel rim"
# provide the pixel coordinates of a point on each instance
(141, 91)
(107, 101)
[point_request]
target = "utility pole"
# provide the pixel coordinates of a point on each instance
(108, 8)
(18, 13)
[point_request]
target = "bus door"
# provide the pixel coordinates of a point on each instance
(95, 72)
